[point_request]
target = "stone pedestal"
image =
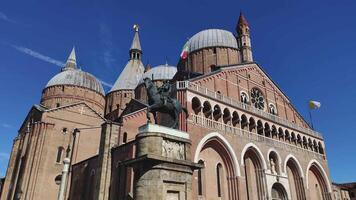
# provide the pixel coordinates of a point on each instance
(163, 167)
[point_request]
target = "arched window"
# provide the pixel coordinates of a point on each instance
(259, 127)
(235, 118)
(226, 116)
(244, 121)
(124, 137)
(274, 162)
(196, 105)
(217, 112)
(207, 109)
(200, 178)
(59, 154)
(218, 178)
(244, 97)
(272, 109)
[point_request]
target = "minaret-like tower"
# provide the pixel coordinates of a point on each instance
(135, 50)
(244, 40)
(123, 90)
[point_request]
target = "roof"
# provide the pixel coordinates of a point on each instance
(160, 72)
(130, 76)
(76, 77)
(212, 38)
(136, 45)
(242, 20)
(71, 75)
(134, 69)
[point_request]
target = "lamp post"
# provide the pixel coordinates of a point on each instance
(67, 163)
(63, 186)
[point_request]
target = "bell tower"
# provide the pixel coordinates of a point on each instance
(244, 40)
(135, 50)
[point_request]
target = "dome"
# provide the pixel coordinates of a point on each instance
(212, 38)
(77, 77)
(160, 72)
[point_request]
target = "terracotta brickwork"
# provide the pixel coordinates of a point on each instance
(242, 138)
(117, 100)
(35, 160)
(57, 96)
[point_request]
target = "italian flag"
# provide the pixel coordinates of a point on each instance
(185, 51)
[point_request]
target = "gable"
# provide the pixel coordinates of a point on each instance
(231, 81)
(79, 113)
(34, 115)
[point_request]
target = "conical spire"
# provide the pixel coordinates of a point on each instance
(136, 45)
(242, 20)
(71, 61)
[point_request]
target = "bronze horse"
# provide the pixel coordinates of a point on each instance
(157, 104)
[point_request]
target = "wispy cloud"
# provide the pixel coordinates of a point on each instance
(4, 17)
(5, 125)
(105, 83)
(37, 55)
(106, 40)
(47, 59)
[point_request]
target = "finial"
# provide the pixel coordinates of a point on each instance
(166, 61)
(72, 57)
(71, 61)
(136, 27)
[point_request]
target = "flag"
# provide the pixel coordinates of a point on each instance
(314, 104)
(185, 51)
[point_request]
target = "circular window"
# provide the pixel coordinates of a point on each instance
(257, 99)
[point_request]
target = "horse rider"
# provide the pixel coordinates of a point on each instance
(165, 91)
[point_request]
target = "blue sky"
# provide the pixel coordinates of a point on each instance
(307, 47)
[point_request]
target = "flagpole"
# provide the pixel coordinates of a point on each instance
(311, 119)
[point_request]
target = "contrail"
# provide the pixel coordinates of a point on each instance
(48, 59)
(105, 83)
(38, 55)
(6, 18)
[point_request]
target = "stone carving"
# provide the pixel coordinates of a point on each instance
(273, 166)
(172, 149)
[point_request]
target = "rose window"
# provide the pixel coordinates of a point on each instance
(257, 99)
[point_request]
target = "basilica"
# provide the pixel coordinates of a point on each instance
(240, 139)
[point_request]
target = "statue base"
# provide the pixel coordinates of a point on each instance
(163, 167)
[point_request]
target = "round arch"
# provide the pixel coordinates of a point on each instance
(322, 171)
(290, 156)
(229, 148)
(251, 145)
(275, 151)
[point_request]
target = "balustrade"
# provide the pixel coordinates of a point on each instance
(238, 104)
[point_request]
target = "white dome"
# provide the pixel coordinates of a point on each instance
(77, 78)
(160, 72)
(212, 38)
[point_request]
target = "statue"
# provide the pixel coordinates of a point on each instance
(273, 166)
(159, 100)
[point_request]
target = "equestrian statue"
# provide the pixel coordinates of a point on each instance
(159, 100)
